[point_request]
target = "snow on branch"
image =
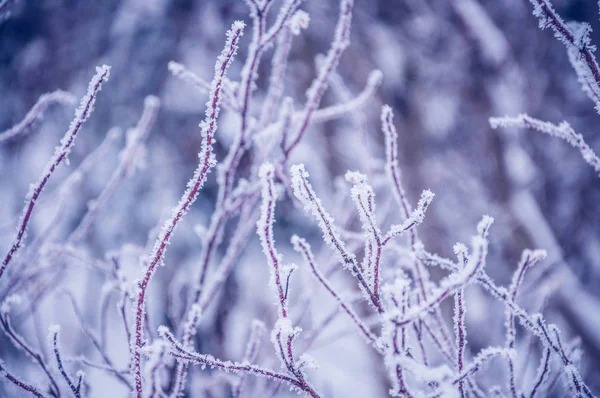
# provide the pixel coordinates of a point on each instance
(563, 131)
(61, 155)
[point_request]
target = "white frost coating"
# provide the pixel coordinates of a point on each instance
(563, 131)
(417, 216)
(52, 330)
(208, 127)
(461, 251)
(204, 360)
(364, 198)
(206, 163)
(162, 331)
(483, 227)
(86, 106)
(306, 195)
(581, 33)
(393, 337)
(460, 278)
(391, 157)
(306, 361)
(481, 359)
(528, 259)
(61, 154)
(279, 273)
(298, 22)
(302, 246)
(419, 213)
(576, 38)
(283, 331)
(31, 388)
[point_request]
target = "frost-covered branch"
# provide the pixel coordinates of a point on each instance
(534, 323)
(284, 332)
(60, 155)
(53, 333)
(227, 171)
(458, 279)
(206, 162)
(312, 204)
(279, 271)
(301, 246)
(528, 259)
(460, 309)
(393, 171)
(33, 390)
(20, 342)
(576, 37)
(563, 131)
(395, 336)
(417, 216)
(182, 354)
(542, 373)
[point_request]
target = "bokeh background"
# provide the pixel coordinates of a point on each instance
(447, 65)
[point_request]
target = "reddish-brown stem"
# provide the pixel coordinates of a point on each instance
(183, 354)
(81, 115)
(205, 165)
(302, 246)
(18, 382)
(563, 32)
(37, 357)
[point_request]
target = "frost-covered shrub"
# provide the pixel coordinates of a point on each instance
(170, 342)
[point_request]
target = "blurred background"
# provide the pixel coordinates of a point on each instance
(447, 67)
